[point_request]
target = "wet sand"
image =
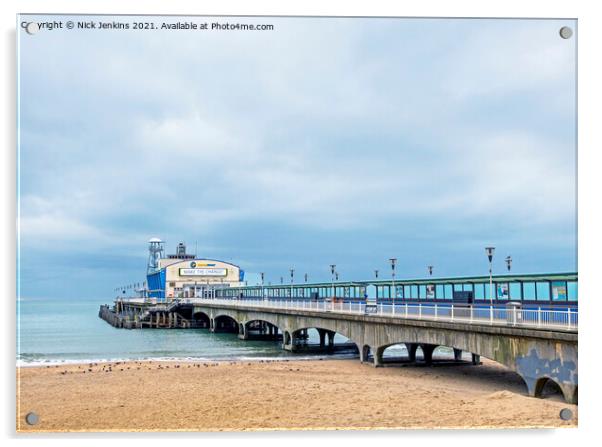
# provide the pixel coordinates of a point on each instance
(276, 395)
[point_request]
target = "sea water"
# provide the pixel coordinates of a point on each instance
(69, 331)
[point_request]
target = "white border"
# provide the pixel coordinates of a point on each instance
(590, 223)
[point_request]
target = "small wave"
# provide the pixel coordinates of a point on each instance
(25, 363)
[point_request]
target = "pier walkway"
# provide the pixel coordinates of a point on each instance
(561, 320)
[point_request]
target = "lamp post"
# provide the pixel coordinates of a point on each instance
(376, 274)
(262, 292)
(306, 277)
(393, 263)
(509, 262)
(430, 269)
(332, 270)
(489, 251)
(292, 276)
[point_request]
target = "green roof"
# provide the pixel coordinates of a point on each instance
(528, 277)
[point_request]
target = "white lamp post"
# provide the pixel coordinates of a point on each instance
(489, 251)
(332, 270)
(509, 262)
(393, 292)
(262, 292)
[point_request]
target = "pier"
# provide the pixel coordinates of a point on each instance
(540, 345)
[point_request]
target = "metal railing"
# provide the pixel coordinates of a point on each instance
(462, 313)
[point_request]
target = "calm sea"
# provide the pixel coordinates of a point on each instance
(51, 331)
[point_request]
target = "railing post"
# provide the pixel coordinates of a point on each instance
(452, 312)
(471, 312)
(419, 310)
(569, 314)
(393, 309)
(435, 311)
(539, 317)
(406, 310)
(490, 314)
(514, 315)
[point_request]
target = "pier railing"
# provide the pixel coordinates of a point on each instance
(472, 314)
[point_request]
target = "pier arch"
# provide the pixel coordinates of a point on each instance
(259, 329)
(303, 338)
(225, 323)
(200, 319)
(415, 351)
(552, 387)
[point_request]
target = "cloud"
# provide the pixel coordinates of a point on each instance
(324, 127)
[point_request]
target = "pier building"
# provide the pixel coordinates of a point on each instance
(184, 275)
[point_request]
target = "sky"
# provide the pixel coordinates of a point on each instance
(323, 141)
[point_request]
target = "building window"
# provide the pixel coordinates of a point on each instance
(448, 292)
(528, 291)
(572, 290)
(414, 291)
(543, 291)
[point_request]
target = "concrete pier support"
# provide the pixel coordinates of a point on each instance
(330, 335)
(457, 354)
(322, 334)
(287, 341)
(211, 325)
(476, 359)
(427, 353)
(364, 353)
(378, 356)
(411, 347)
(569, 391)
(243, 333)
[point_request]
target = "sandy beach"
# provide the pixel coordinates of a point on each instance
(275, 395)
